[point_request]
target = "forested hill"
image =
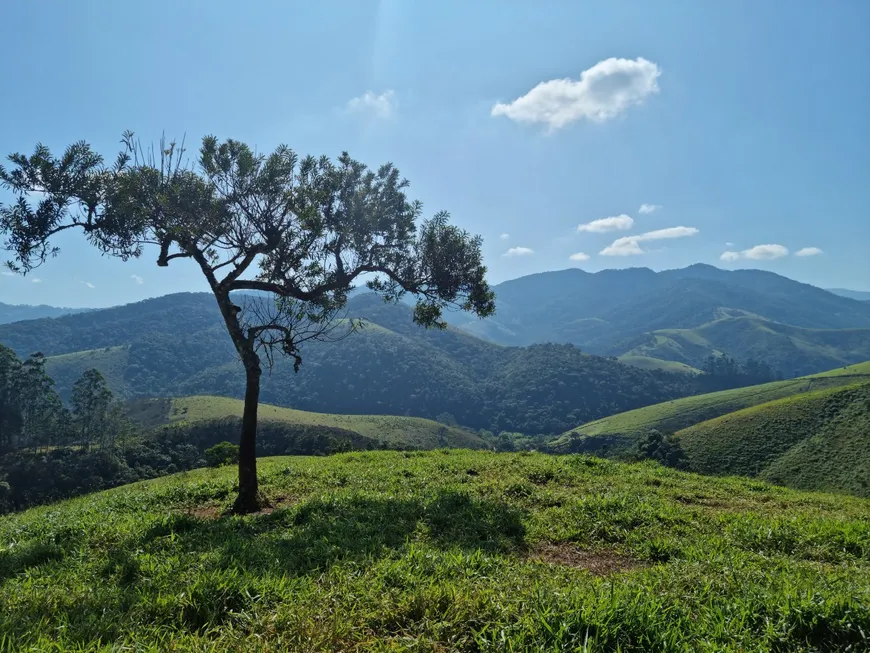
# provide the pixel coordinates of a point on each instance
(17, 312)
(175, 346)
(613, 312)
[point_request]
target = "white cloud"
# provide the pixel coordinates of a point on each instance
(89, 284)
(613, 223)
(808, 251)
(729, 244)
(137, 278)
(629, 245)
(505, 236)
(8, 273)
(757, 253)
(519, 251)
(649, 208)
(579, 256)
(381, 106)
(603, 92)
(36, 280)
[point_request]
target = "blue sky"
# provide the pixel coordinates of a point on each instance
(742, 126)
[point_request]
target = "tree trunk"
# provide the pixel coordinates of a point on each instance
(249, 499)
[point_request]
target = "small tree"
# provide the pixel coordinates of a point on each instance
(300, 232)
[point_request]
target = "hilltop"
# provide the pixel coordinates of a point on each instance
(374, 430)
(445, 550)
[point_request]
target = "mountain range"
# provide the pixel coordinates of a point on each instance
(545, 363)
(682, 315)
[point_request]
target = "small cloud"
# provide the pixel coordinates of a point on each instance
(89, 284)
(36, 280)
(649, 208)
(603, 92)
(757, 253)
(729, 244)
(808, 251)
(381, 106)
(579, 256)
(7, 273)
(629, 245)
(505, 236)
(613, 223)
(519, 251)
(137, 279)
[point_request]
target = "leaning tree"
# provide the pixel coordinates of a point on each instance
(298, 232)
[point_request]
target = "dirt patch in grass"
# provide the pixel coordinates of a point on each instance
(600, 563)
(209, 511)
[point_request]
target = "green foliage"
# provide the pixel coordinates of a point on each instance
(413, 551)
(223, 453)
(664, 449)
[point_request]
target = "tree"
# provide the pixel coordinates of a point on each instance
(93, 410)
(664, 449)
(300, 233)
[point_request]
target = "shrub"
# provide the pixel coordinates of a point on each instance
(223, 453)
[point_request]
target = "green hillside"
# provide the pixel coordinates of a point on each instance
(623, 428)
(440, 551)
(816, 440)
(649, 363)
(410, 432)
(175, 346)
(787, 348)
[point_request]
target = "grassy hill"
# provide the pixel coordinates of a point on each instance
(671, 416)
(440, 551)
(650, 363)
(816, 440)
(409, 432)
(793, 350)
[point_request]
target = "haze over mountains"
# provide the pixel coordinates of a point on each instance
(497, 373)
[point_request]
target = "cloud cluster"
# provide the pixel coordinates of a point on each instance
(630, 245)
(518, 251)
(766, 253)
(381, 106)
(649, 208)
(757, 253)
(613, 223)
(603, 92)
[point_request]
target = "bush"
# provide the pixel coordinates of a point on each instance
(664, 449)
(223, 453)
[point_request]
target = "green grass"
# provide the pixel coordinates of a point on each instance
(441, 551)
(65, 369)
(395, 431)
(817, 440)
(648, 363)
(670, 416)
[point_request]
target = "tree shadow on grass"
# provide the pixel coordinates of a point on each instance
(315, 535)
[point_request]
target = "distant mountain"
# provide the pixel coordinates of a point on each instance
(177, 346)
(615, 312)
(17, 312)
(860, 295)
